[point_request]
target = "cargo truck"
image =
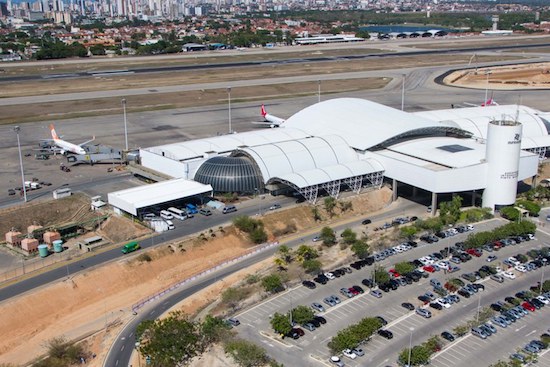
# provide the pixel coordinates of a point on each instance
(131, 247)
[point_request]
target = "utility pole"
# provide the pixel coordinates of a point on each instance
(125, 123)
(319, 91)
(403, 94)
(17, 129)
(229, 107)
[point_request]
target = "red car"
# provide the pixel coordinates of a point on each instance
(474, 251)
(394, 273)
(429, 268)
(497, 245)
(353, 291)
(528, 306)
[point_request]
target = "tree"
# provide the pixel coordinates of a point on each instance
(285, 253)
(213, 329)
(281, 323)
(343, 340)
(433, 344)
(272, 283)
(245, 353)
(316, 214)
(345, 206)
(302, 314)
(330, 205)
(328, 236)
(420, 355)
(305, 252)
(171, 341)
(408, 232)
(449, 211)
(461, 330)
(532, 207)
(360, 248)
(258, 235)
(348, 236)
(312, 266)
(381, 276)
(404, 267)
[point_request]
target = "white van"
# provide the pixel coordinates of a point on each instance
(164, 214)
(170, 224)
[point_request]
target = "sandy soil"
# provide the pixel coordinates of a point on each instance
(87, 302)
(521, 76)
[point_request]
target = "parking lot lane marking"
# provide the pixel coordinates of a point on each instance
(384, 362)
(318, 359)
(532, 332)
(269, 300)
(281, 342)
(519, 328)
(398, 320)
(451, 346)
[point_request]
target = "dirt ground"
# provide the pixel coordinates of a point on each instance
(100, 106)
(521, 76)
(89, 301)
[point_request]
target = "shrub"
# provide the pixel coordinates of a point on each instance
(144, 257)
(272, 283)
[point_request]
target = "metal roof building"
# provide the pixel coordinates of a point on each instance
(350, 144)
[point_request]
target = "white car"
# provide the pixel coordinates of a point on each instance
(443, 303)
(543, 299)
(444, 265)
(469, 227)
(514, 261)
(330, 275)
(521, 268)
(337, 361)
(349, 353)
(509, 275)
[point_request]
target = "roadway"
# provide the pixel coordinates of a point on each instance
(225, 65)
(234, 84)
(121, 350)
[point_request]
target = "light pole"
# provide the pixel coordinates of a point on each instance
(410, 347)
(125, 124)
(542, 276)
(17, 129)
(403, 94)
(229, 107)
(318, 91)
(137, 345)
(478, 306)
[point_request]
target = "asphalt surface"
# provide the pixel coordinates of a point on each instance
(194, 225)
(121, 350)
(148, 70)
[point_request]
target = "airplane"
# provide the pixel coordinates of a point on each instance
(489, 102)
(65, 146)
(270, 120)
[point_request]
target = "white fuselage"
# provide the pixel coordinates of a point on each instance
(69, 147)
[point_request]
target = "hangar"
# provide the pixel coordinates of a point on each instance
(353, 144)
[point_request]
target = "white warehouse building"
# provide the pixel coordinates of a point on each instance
(351, 144)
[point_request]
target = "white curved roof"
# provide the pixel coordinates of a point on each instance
(310, 161)
(361, 123)
(226, 143)
(476, 119)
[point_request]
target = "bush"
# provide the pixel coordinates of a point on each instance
(311, 266)
(420, 355)
(272, 283)
(245, 353)
(510, 213)
(144, 257)
(254, 228)
(532, 207)
(476, 214)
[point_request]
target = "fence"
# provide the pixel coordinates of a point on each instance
(173, 287)
(32, 265)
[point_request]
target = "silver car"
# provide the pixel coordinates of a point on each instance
(376, 293)
(317, 306)
(424, 312)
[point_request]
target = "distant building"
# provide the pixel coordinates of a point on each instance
(3, 9)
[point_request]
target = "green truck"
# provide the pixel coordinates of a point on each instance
(131, 247)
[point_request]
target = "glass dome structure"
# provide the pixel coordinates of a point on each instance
(230, 174)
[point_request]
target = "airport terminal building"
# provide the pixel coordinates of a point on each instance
(353, 144)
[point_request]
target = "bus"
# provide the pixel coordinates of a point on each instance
(131, 247)
(178, 213)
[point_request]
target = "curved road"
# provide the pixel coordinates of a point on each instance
(121, 350)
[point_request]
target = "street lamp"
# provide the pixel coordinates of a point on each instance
(125, 125)
(478, 306)
(319, 91)
(136, 346)
(403, 94)
(542, 275)
(410, 347)
(229, 107)
(17, 129)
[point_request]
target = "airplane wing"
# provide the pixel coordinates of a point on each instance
(87, 141)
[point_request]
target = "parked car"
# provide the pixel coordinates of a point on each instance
(424, 312)
(318, 307)
(376, 293)
(337, 361)
(349, 353)
(448, 336)
(309, 284)
(408, 306)
(385, 334)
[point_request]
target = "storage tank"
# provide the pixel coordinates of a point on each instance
(57, 246)
(502, 156)
(43, 250)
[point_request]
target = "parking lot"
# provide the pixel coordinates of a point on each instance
(312, 350)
